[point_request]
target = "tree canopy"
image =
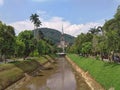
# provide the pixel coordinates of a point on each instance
(104, 39)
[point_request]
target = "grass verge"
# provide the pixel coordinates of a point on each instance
(107, 74)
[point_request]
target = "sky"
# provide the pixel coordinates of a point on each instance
(76, 16)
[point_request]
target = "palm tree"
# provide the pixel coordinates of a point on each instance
(96, 30)
(92, 30)
(34, 18)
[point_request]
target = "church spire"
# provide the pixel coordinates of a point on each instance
(62, 30)
(62, 40)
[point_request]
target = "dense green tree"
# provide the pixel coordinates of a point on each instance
(72, 49)
(27, 38)
(41, 47)
(7, 40)
(82, 38)
(112, 32)
(19, 48)
(104, 40)
(86, 48)
(117, 15)
(45, 48)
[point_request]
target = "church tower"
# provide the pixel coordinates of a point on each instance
(62, 40)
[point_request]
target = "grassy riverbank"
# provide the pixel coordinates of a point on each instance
(11, 72)
(107, 74)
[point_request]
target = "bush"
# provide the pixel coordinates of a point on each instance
(97, 57)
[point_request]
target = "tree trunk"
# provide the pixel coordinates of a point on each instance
(4, 58)
(110, 57)
(23, 58)
(101, 54)
(1, 58)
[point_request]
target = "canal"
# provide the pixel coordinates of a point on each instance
(59, 76)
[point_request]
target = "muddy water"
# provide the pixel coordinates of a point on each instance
(59, 77)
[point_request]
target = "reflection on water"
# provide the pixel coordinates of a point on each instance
(62, 79)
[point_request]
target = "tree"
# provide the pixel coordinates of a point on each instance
(7, 40)
(82, 38)
(27, 38)
(86, 48)
(41, 47)
(117, 15)
(34, 18)
(104, 39)
(19, 48)
(95, 30)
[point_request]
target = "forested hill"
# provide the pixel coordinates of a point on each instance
(54, 35)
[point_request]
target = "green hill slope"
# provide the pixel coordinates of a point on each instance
(54, 35)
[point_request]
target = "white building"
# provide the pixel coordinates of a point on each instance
(62, 43)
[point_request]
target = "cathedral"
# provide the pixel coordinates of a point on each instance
(63, 44)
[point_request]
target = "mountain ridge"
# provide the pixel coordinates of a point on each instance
(54, 35)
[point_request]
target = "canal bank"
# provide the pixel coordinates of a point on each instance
(12, 72)
(47, 69)
(58, 76)
(87, 78)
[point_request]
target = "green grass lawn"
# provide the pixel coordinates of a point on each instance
(107, 74)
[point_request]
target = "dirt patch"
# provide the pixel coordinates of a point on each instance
(88, 79)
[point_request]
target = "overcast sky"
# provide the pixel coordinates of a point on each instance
(76, 15)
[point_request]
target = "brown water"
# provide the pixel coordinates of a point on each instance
(59, 77)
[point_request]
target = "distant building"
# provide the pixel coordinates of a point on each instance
(63, 44)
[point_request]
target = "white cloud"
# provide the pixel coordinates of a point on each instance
(1, 2)
(72, 29)
(56, 23)
(22, 25)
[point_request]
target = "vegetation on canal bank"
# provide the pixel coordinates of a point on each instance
(102, 41)
(12, 72)
(107, 74)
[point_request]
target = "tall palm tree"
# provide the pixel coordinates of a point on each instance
(34, 18)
